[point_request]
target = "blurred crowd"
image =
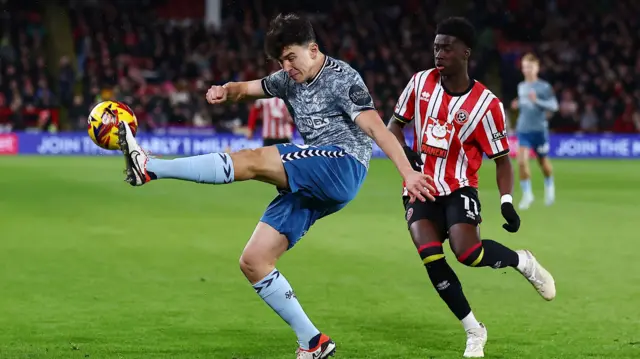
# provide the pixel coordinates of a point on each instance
(162, 69)
(28, 93)
(591, 56)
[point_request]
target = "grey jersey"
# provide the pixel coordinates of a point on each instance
(325, 108)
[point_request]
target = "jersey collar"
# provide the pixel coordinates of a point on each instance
(472, 82)
(315, 79)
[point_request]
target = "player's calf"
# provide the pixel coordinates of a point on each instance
(446, 283)
(263, 164)
(549, 186)
(488, 253)
(258, 264)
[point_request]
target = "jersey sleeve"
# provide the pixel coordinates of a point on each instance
(355, 97)
(274, 85)
(548, 99)
(491, 133)
(404, 110)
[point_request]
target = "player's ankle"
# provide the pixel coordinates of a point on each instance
(470, 322)
(523, 261)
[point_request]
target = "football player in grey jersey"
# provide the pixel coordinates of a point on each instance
(334, 112)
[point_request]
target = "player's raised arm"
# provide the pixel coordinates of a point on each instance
(270, 86)
(235, 92)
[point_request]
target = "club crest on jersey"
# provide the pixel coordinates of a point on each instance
(461, 116)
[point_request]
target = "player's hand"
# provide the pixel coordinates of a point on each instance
(533, 96)
(515, 104)
(249, 134)
(513, 220)
(419, 185)
(414, 159)
(216, 95)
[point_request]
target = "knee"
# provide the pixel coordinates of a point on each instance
(470, 256)
(249, 264)
(251, 160)
(431, 253)
(522, 163)
(255, 266)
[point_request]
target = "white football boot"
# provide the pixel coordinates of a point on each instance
(526, 201)
(549, 195)
(535, 273)
(476, 340)
(135, 157)
(325, 348)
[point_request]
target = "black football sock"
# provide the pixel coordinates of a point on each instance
(489, 253)
(445, 281)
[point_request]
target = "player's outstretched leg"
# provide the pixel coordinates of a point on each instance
(446, 282)
(549, 186)
(471, 251)
(525, 178)
(263, 164)
(258, 265)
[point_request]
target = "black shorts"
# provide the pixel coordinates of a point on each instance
(274, 141)
(461, 206)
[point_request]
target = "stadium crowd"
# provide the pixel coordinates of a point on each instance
(590, 55)
(28, 92)
(162, 69)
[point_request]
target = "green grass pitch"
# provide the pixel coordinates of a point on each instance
(93, 268)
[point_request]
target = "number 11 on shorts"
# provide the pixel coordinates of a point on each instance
(467, 204)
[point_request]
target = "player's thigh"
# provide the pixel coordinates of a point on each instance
(523, 155)
(524, 146)
(463, 212)
(262, 251)
(263, 164)
(426, 221)
(326, 174)
(293, 214)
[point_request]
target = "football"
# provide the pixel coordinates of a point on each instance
(103, 123)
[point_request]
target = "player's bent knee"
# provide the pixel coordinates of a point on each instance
(248, 161)
(523, 163)
(471, 256)
(254, 266)
(431, 252)
(263, 164)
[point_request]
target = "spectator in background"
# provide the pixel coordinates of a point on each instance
(589, 120)
(66, 81)
(78, 114)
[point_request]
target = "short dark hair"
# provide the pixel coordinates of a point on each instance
(458, 27)
(287, 30)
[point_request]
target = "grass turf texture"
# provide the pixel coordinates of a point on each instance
(93, 268)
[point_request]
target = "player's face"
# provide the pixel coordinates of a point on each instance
(530, 68)
(449, 54)
(297, 61)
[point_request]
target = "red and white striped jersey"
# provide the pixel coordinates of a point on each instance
(452, 132)
(276, 121)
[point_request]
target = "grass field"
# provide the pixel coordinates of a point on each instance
(93, 268)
